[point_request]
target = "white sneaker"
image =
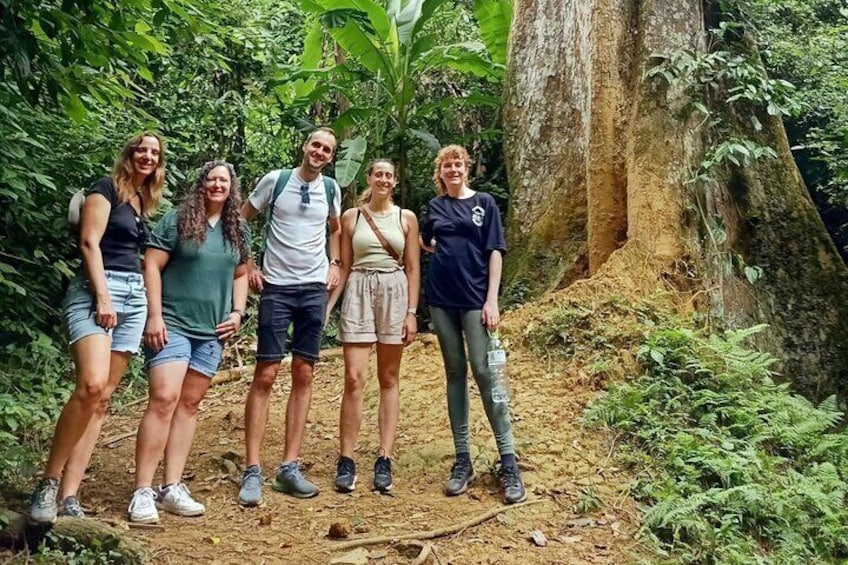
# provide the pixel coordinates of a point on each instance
(177, 499)
(143, 506)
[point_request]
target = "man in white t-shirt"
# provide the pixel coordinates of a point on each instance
(295, 279)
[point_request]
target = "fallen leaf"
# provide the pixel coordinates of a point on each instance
(358, 556)
(538, 538)
(214, 540)
(265, 519)
(580, 523)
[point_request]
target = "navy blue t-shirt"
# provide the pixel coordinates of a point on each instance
(466, 231)
(126, 232)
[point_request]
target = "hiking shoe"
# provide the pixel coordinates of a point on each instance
(345, 474)
(71, 507)
(512, 484)
(462, 475)
(383, 475)
(250, 493)
(142, 508)
(177, 499)
(43, 509)
(290, 480)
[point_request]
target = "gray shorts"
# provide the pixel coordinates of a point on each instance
(374, 307)
(128, 299)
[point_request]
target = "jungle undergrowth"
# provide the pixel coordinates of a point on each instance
(731, 466)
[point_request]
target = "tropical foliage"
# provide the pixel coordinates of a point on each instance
(732, 467)
(386, 63)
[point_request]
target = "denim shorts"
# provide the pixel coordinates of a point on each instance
(202, 355)
(128, 299)
(302, 306)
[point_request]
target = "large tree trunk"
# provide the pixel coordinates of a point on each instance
(598, 157)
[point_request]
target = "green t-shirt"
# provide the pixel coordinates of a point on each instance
(197, 281)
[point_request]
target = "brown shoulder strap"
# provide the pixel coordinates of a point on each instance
(380, 237)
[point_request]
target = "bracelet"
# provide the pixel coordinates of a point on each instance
(239, 312)
(412, 311)
(336, 262)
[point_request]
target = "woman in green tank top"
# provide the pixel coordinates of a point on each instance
(380, 278)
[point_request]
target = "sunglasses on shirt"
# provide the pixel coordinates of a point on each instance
(304, 195)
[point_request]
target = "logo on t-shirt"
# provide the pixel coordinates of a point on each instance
(477, 216)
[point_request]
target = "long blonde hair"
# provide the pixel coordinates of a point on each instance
(122, 174)
(365, 197)
(448, 152)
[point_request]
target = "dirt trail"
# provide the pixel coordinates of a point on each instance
(560, 459)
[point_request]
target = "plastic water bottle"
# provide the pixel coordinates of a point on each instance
(496, 356)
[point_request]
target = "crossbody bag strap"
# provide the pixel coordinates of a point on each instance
(380, 237)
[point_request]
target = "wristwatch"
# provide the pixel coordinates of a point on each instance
(239, 312)
(412, 311)
(336, 262)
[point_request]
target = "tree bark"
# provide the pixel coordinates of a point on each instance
(83, 531)
(598, 157)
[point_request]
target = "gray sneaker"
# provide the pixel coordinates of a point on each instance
(250, 493)
(462, 475)
(290, 480)
(512, 484)
(71, 507)
(345, 474)
(44, 508)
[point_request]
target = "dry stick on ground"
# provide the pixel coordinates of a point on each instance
(435, 533)
(109, 442)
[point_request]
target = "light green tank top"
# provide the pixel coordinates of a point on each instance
(367, 251)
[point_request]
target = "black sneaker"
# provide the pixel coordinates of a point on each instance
(512, 484)
(383, 474)
(345, 474)
(462, 475)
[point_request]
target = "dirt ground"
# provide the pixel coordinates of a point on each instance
(561, 463)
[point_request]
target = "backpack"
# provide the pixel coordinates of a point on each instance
(282, 181)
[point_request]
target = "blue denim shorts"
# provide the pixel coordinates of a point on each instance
(303, 306)
(202, 355)
(128, 299)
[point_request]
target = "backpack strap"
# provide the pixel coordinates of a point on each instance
(330, 191)
(282, 181)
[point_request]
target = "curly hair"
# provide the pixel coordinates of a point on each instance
(123, 171)
(448, 152)
(191, 215)
(365, 197)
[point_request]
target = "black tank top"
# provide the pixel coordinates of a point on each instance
(126, 233)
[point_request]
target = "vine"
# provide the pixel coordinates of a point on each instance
(727, 75)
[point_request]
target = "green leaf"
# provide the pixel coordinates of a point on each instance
(494, 18)
(349, 162)
(360, 46)
(428, 138)
(147, 43)
(75, 108)
(145, 73)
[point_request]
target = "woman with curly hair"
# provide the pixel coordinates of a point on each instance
(103, 312)
(196, 290)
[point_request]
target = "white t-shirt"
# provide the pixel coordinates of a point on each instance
(295, 251)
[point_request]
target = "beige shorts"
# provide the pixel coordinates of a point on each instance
(374, 307)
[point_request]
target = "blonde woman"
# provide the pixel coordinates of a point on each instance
(464, 233)
(379, 253)
(104, 313)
